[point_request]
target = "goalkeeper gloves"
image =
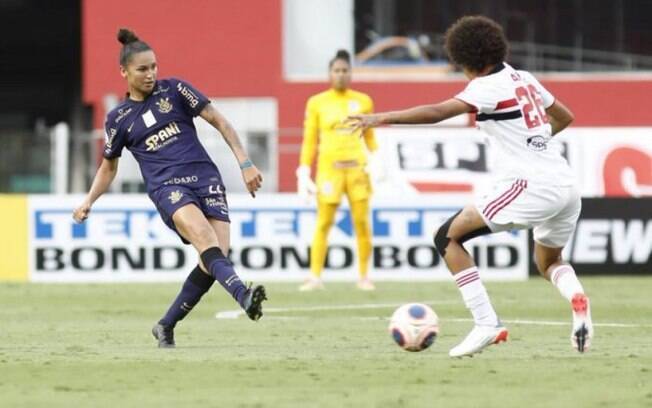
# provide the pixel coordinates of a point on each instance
(306, 188)
(375, 167)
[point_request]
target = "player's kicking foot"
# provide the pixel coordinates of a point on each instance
(582, 332)
(479, 338)
(253, 302)
(312, 284)
(164, 335)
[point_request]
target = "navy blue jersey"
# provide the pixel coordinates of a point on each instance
(160, 133)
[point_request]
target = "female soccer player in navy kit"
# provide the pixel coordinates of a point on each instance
(534, 187)
(155, 122)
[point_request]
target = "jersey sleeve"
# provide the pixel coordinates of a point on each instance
(369, 135)
(114, 140)
(546, 96)
(191, 99)
(310, 133)
(479, 96)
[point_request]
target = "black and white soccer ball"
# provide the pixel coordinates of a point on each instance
(414, 326)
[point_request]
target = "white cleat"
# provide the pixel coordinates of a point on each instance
(311, 285)
(365, 285)
(582, 332)
(478, 339)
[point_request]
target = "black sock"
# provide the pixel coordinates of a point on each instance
(196, 284)
(222, 270)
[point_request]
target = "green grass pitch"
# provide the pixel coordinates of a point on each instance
(90, 346)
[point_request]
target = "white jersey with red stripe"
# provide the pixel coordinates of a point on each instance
(511, 110)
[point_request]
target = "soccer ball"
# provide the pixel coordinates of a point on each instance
(414, 326)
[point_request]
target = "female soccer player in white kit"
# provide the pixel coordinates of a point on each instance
(533, 185)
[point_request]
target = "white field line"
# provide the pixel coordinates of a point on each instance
(234, 314)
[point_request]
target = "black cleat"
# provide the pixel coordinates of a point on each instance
(580, 337)
(253, 302)
(164, 335)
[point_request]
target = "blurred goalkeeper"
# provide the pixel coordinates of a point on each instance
(155, 123)
(534, 187)
(344, 164)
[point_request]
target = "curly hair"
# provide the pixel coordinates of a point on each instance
(475, 42)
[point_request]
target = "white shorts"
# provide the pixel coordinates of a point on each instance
(552, 211)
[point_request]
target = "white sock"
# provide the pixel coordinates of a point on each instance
(565, 280)
(475, 297)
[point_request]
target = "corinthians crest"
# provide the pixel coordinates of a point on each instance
(164, 105)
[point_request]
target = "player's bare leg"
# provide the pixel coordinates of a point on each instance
(449, 241)
(193, 226)
(562, 276)
(204, 235)
(223, 232)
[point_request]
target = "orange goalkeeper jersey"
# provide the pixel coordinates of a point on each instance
(324, 132)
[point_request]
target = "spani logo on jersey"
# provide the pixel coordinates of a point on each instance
(163, 137)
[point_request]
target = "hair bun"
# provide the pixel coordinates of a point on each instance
(126, 36)
(343, 54)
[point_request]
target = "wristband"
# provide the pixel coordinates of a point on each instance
(246, 164)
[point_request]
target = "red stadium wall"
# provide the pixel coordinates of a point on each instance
(227, 48)
(234, 49)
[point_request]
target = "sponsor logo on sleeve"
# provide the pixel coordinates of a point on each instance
(192, 99)
(108, 137)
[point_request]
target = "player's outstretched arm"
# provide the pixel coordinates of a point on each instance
(413, 116)
(560, 116)
(103, 178)
(250, 174)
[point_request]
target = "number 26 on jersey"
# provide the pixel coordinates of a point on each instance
(532, 106)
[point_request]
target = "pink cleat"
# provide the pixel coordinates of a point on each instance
(582, 332)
